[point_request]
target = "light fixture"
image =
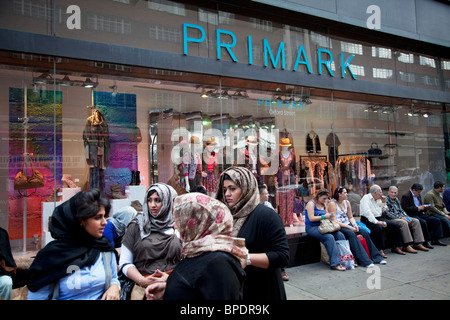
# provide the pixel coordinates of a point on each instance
(42, 79)
(204, 94)
(426, 115)
(88, 83)
(66, 81)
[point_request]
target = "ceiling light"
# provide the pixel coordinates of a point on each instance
(88, 83)
(65, 81)
(43, 78)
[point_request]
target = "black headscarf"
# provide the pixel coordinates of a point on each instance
(72, 246)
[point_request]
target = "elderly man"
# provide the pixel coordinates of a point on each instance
(409, 227)
(437, 208)
(371, 208)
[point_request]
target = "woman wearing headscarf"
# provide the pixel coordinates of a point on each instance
(150, 242)
(211, 268)
(263, 231)
(80, 263)
(117, 225)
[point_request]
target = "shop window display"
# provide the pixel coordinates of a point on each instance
(123, 139)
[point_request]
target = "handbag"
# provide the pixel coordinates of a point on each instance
(374, 150)
(22, 182)
(364, 244)
(126, 286)
(328, 226)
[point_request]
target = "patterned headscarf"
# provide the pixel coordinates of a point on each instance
(164, 220)
(249, 199)
(205, 224)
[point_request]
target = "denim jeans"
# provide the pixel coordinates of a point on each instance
(329, 241)
(6, 284)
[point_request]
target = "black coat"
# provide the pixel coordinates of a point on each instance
(215, 275)
(407, 203)
(264, 233)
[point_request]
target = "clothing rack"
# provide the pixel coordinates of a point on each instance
(312, 156)
(356, 154)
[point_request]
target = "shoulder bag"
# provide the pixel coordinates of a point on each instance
(21, 181)
(328, 226)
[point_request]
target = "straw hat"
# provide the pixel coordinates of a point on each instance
(195, 140)
(252, 140)
(211, 142)
(285, 142)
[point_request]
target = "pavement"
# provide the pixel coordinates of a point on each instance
(421, 276)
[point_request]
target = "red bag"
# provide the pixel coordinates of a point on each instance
(364, 244)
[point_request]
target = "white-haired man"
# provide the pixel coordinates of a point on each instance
(371, 208)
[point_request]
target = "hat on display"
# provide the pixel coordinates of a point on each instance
(211, 142)
(252, 140)
(285, 142)
(195, 140)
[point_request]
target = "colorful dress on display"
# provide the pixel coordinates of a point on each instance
(286, 177)
(211, 168)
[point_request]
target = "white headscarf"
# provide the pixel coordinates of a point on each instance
(164, 220)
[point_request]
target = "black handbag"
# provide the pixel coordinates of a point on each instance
(374, 150)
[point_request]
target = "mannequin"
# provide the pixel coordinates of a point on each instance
(251, 157)
(285, 177)
(192, 165)
(210, 168)
(97, 148)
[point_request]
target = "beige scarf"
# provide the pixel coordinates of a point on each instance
(249, 199)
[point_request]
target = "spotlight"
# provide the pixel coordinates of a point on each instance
(66, 81)
(43, 78)
(88, 83)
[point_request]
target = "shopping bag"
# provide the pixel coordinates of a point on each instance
(346, 255)
(364, 244)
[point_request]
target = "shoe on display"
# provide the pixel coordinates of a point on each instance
(116, 192)
(67, 180)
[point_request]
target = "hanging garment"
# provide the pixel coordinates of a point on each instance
(96, 141)
(313, 143)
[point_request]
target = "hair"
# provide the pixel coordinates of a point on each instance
(261, 188)
(88, 204)
(417, 187)
(374, 188)
(338, 191)
(320, 193)
(438, 184)
(199, 188)
(393, 187)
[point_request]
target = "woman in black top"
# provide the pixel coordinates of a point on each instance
(263, 231)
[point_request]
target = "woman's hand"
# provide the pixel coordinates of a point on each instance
(113, 293)
(155, 291)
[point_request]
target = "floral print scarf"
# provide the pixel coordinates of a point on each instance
(205, 224)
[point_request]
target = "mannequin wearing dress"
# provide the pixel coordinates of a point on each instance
(285, 177)
(210, 168)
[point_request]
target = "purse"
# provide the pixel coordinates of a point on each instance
(22, 182)
(374, 150)
(328, 226)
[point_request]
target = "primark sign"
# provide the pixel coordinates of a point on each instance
(324, 57)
